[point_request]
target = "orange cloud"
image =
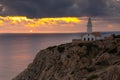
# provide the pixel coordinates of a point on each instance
(1, 22)
(110, 26)
(27, 22)
(22, 24)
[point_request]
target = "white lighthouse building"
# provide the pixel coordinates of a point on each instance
(90, 36)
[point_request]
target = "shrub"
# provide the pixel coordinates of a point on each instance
(118, 62)
(91, 69)
(92, 77)
(103, 63)
(113, 51)
(50, 48)
(90, 45)
(115, 36)
(61, 49)
(81, 44)
(68, 56)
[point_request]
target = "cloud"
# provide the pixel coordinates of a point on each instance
(53, 25)
(60, 8)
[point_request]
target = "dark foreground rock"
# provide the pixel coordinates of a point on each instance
(98, 60)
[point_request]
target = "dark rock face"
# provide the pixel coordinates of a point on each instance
(99, 60)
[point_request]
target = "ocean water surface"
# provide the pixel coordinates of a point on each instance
(18, 50)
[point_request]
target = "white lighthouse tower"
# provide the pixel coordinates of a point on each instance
(89, 26)
(89, 35)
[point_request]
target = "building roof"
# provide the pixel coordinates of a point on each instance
(96, 34)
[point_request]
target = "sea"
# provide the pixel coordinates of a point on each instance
(19, 50)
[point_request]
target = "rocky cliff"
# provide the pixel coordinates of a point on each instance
(98, 60)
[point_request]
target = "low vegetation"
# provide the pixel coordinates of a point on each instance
(61, 49)
(50, 48)
(92, 77)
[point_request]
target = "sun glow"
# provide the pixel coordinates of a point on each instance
(31, 31)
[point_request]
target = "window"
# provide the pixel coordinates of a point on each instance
(88, 39)
(92, 39)
(84, 39)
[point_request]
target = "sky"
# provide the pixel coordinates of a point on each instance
(58, 16)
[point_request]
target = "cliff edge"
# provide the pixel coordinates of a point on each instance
(97, 60)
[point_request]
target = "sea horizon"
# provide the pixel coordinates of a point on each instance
(60, 32)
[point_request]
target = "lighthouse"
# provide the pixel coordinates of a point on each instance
(89, 35)
(89, 26)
